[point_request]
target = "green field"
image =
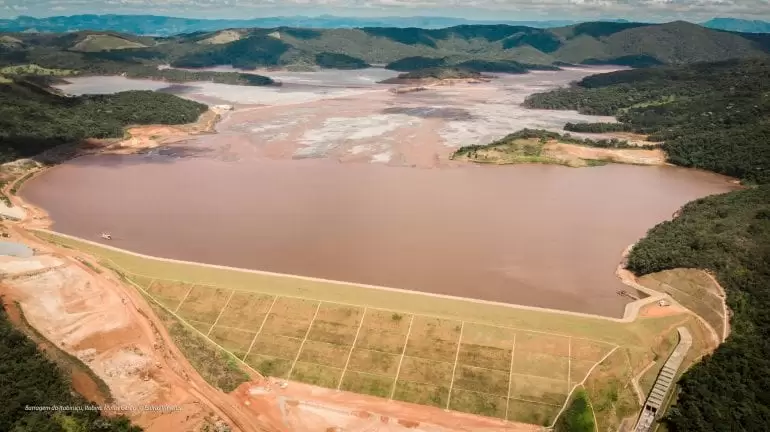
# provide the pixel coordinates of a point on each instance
(510, 363)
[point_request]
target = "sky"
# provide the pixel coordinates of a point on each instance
(634, 10)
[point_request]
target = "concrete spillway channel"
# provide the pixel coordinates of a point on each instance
(660, 390)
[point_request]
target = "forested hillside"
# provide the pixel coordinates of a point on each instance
(709, 115)
(33, 119)
(29, 379)
(730, 236)
(502, 48)
(712, 116)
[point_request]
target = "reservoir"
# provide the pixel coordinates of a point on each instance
(355, 184)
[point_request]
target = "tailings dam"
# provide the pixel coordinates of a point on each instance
(352, 182)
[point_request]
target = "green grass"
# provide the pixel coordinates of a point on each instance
(423, 394)
(478, 403)
(373, 362)
(89, 265)
(104, 43)
(579, 416)
(477, 379)
(514, 151)
(369, 384)
(692, 289)
(532, 413)
(268, 365)
(547, 391)
(323, 376)
(216, 366)
(20, 182)
(33, 69)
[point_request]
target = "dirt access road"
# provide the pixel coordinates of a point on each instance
(89, 313)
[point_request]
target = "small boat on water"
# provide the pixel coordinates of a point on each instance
(106, 236)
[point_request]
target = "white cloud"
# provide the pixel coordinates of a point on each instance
(495, 9)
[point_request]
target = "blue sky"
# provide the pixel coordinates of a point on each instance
(643, 10)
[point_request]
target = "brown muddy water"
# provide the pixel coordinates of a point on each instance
(537, 235)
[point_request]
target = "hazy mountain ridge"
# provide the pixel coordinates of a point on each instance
(155, 25)
(738, 25)
(628, 44)
(168, 26)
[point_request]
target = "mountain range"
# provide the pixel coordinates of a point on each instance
(738, 25)
(494, 48)
(152, 25)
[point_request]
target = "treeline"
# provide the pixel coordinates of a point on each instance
(598, 127)
(29, 379)
(33, 120)
(258, 50)
(578, 416)
(441, 73)
(728, 235)
(132, 63)
(709, 115)
(416, 63)
(545, 136)
(339, 61)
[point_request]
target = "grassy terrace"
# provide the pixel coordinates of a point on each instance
(506, 362)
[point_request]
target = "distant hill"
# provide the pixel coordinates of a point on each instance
(489, 48)
(168, 26)
(738, 25)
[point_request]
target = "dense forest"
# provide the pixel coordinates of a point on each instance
(339, 61)
(32, 119)
(441, 73)
(544, 136)
(709, 115)
(598, 127)
(127, 63)
(29, 379)
(728, 235)
(712, 116)
(501, 48)
(411, 64)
